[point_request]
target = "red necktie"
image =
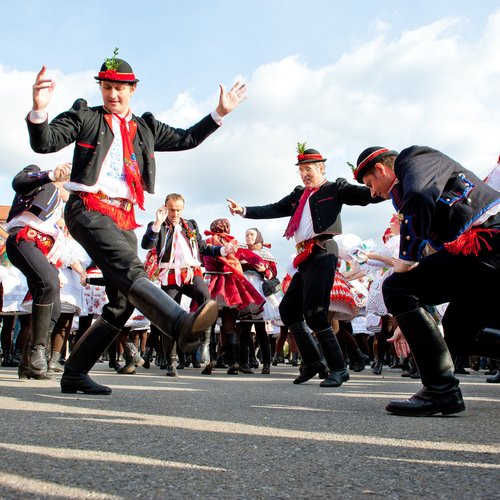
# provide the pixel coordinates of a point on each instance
(294, 223)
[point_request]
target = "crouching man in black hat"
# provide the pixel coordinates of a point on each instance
(444, 206)
(315, 218)
(113, 164)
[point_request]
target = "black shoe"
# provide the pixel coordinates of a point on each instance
(73, 382)
(171, 371)
(428, 402)
(377, 368)
(359, 362)
(266, 369)
(246, 369)
(495, 379)
(115, 365)
(308, 372)
(461, 371)
(336, 378)
(233, 369)
(208, 369)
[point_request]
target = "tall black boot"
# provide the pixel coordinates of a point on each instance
(83, 357)
(309, 352)
(440, 393)
(169, 317)
(334, 359)
(34, 358)
(245, 332)
(232, 353)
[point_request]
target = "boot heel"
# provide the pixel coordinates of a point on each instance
(454, 409)
(68, 390)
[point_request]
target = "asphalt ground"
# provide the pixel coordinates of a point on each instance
(245, 436)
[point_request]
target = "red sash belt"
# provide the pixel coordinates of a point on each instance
(120, 210)
(43, 241)
(184, 273)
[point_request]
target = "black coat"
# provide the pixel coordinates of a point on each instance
(437, 199)
(89, 128)
(162, 239)
(35, 193)
(326, 205)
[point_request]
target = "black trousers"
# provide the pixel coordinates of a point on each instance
(198, 291)
(471, 287)
(308, 295)
(113, 250)
(42, 277)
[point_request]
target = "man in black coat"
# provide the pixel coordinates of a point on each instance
(314, 209)
(449, 252)
(113, 164)
(178, 245)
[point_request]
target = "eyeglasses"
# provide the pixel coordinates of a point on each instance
(307, 170)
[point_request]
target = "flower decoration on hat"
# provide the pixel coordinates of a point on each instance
(116, 70)
(112, 63)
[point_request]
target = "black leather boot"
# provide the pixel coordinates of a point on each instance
(232, 353)
(359, 361)
(309, 352)
(440, 393)
(34, 358)
(169, 317)
(84, 356)
(334, 359)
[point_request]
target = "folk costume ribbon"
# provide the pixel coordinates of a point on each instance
(132, 173)
(294, 222)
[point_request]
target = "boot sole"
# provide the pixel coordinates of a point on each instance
(71, 390)
(206, 317)
(402, 412)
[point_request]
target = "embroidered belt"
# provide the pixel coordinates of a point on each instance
(121, 203)
(43, 241)
(120, 210)
(186, 276)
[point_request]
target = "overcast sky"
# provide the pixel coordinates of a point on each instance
(338, 75)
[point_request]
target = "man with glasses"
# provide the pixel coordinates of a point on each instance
(314, 209)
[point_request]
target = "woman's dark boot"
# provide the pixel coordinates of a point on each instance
(309, 352)
(334, 359)
(34, 358)
(186, 328)
(84, 356)
(359, 361)
(232, 353)
(440, 393)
